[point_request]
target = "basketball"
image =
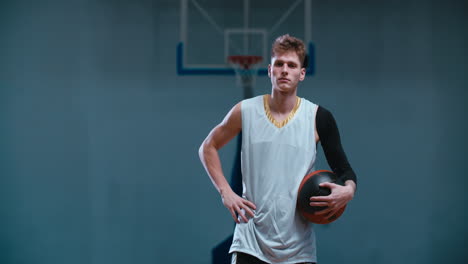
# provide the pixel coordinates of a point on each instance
(310, 187)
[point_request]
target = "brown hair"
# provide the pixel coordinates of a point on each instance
(287, 43)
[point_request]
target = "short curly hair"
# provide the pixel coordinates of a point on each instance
(287, 43)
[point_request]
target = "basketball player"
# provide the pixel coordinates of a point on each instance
(280, 132)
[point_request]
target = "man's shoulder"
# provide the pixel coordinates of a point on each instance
(251, 102)
(308, 102)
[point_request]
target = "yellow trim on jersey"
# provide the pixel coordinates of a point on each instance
(281, 124)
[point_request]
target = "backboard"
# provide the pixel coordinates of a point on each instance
(213, 30)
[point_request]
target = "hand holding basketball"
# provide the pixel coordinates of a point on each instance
(338, 198)
(322, 191)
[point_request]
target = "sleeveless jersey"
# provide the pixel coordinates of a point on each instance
(274, 161)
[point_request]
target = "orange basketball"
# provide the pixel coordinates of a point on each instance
(310, 187)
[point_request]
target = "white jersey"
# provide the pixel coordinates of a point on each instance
(274, 162)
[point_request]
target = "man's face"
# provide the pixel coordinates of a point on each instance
(285, 71)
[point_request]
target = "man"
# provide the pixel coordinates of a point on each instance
(280, 132)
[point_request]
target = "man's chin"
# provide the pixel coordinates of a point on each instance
(285, 89)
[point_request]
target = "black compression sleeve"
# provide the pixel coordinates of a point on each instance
(331, 144)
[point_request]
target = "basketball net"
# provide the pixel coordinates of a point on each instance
(246, 69)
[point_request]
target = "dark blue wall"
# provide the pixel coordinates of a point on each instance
(99, 136)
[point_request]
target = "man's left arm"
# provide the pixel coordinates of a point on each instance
(329, 137)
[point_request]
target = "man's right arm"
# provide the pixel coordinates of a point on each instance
(208, 152)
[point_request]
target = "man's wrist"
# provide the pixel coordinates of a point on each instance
(223, 191)
(351, 186)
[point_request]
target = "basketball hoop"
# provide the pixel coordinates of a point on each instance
(246, 69)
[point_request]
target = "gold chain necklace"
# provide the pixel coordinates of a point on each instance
(281, 124)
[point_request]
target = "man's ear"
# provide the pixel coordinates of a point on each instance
(303, 73)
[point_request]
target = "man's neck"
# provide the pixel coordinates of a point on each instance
(282, 103)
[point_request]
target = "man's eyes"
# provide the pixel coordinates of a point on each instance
(290, 65)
